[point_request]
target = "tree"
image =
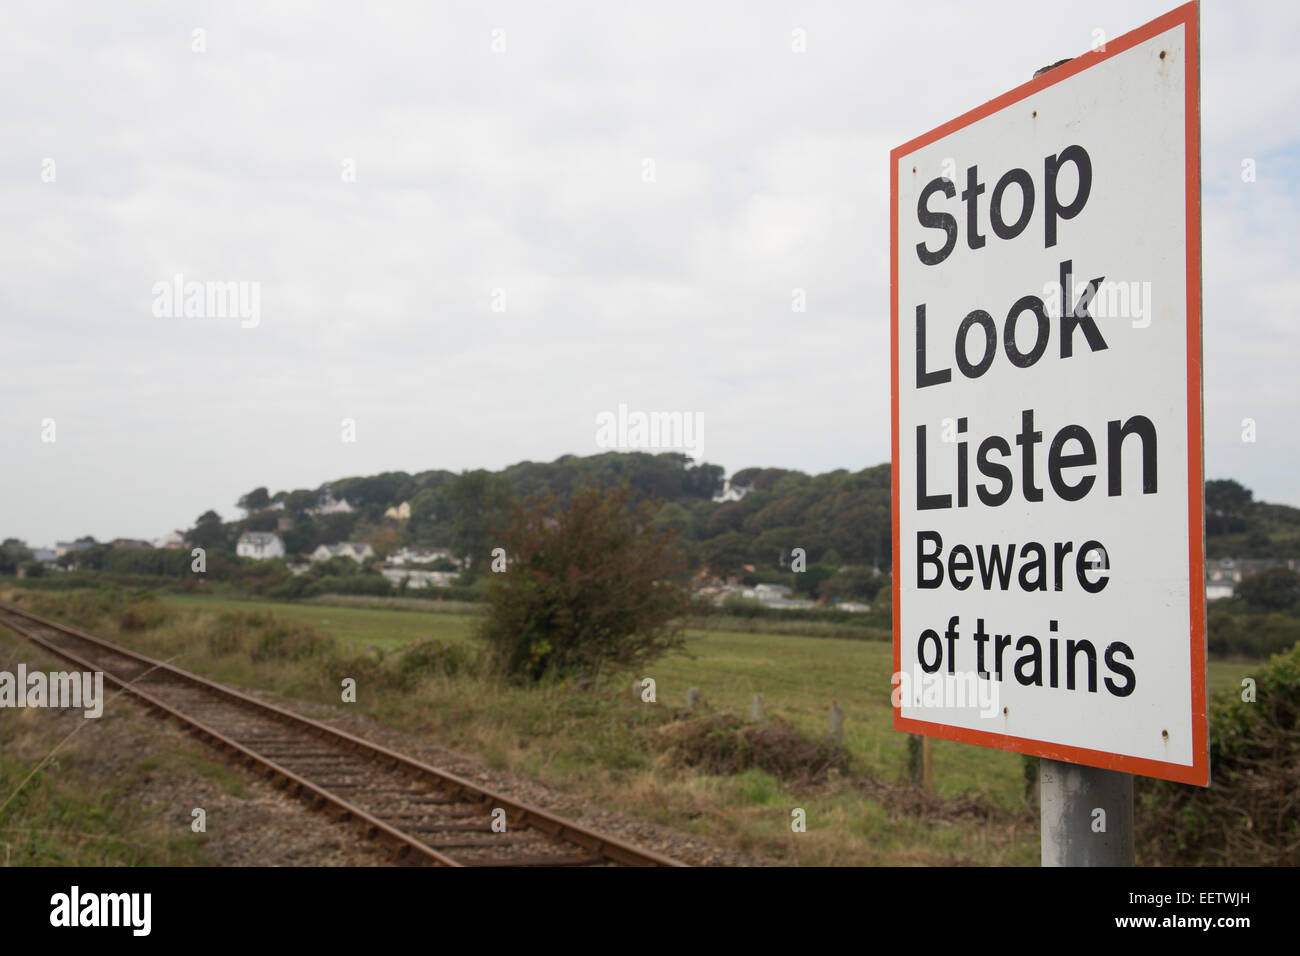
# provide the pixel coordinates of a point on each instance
(298, 503)
(384, 541)
(594, 585)
(1227, 503)
(480, 506)
(853, 583)
(429, 511)
(208, 532)
(13, 554)
(255, 500)
(807, 582)
(1277, 589)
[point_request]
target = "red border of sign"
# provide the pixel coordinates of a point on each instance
(1188, 16)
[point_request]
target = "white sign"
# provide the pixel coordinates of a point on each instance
(1048, 530)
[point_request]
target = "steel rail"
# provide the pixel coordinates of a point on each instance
(519, 813)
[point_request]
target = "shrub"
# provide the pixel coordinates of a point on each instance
(436, 657)
(143, 614)
(1248, 814)
(724, 744)
(267, 637)
(1250, 635)
(595, 584)
(1276, 589)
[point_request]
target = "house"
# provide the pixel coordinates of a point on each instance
(43, 555)
(401, 513)
(1214, 590)
(857, 607)
(1222, 575)
(259, 545)
(329, 505)
(358, 551)
(421, 556)
(129, 543)
(731, 492)
(63, 547)
(175, 539)
(768, 592)
(418, 579)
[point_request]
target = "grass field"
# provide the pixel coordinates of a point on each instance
(797, 676)
(605, 744)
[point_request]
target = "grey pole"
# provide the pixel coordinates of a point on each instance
(1087, 815)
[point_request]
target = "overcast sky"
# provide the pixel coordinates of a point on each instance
(386, 177)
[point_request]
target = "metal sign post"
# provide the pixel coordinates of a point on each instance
(1086, 816)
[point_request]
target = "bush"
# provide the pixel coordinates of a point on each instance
(373, 584)
(1250, 635)
(1277, 589)
(143, 614)
(723, 744)
(1247, 816)
(436, 657)
(267, 637)
(596, 584)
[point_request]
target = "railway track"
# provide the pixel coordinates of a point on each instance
(424, 815)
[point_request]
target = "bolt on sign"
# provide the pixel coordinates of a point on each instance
(1046, 343)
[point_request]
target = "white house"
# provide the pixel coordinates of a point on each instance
(731, 492)
(768, 592)
(174, 539)
(358, 551)
(329, 505)
(259, 545)
(420, 556)
(419, 579)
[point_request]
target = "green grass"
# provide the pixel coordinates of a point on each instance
(797, 676)
(601, 744)
(57, 810)
(360, 627)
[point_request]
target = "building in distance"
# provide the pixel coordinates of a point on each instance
(259, 545)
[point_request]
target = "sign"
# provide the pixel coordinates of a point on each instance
(1049, 591)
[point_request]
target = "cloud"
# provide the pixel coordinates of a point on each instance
(523, 174)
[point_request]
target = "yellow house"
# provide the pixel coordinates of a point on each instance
(401, 513)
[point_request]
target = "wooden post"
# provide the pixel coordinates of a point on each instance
(756, 708)
(837, 723)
